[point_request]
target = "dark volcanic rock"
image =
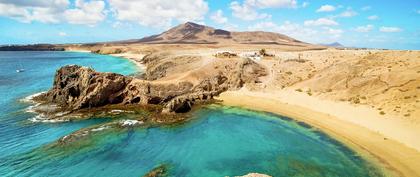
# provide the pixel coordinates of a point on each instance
(76, 87)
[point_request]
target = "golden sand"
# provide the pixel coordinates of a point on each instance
(390, 153)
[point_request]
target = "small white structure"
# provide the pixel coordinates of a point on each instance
(251, 55)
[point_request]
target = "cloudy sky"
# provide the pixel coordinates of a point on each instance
(391, 24)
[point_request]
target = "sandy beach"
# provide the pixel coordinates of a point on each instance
(391, 143)
(135, 58)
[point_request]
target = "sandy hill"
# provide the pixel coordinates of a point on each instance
(192, 33)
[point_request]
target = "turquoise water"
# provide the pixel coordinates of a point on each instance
(218, 141)
(17, 134)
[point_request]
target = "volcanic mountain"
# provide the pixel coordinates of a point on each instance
(192, 33)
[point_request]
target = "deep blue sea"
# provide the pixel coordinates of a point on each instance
(218, 141)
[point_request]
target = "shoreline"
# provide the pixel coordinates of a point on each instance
(135, 58)
(390, 155)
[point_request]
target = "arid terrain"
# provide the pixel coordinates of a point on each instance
(367, 98)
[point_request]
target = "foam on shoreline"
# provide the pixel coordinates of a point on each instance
(44, 119)
(134, 58)
(30, 98)
(40, 117)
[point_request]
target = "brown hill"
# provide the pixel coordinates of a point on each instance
(192, 33)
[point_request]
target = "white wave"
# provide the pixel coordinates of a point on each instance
(44, 119)
(30, 98)
(126, 123)
(31, 109)
(103, 127)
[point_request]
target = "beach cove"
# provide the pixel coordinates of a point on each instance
(367, 141)
(392, 145)
(231, 144)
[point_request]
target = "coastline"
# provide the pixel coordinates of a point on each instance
(135, 58)
(388, 153)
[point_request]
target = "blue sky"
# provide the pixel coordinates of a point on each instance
(389, 24)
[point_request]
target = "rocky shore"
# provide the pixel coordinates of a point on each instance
(78, 88)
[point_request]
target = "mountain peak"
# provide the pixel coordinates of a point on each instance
(188, 27)
(192, 24)
(194, 33)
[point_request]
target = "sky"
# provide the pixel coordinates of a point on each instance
(391, 24)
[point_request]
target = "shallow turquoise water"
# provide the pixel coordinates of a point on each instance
(17, 134)
(219, 141)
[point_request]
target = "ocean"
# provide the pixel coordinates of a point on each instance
(217, 141)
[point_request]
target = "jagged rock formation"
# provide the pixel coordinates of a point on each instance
(76, 87)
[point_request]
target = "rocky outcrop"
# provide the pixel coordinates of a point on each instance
(76, 87)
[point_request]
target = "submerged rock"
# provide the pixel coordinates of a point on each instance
(159, 171)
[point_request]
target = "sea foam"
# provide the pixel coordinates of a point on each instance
(30, 98)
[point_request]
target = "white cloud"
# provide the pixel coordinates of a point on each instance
(54, 11)
(373, 17)
(231, 27)
(86, 13)
(264, 26)
(288, 28)
(305, 4)
(15, 12)
(365, 8)
(272, 3)
(320, 22)
(117, 24)
(47, 11)
(386, 29)
(62, 33)
(326, 8)
(364, 29)
(300, 32)
(333, 33)
(218, 17)
(348, 13)
(248, 10)
(159, 13)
